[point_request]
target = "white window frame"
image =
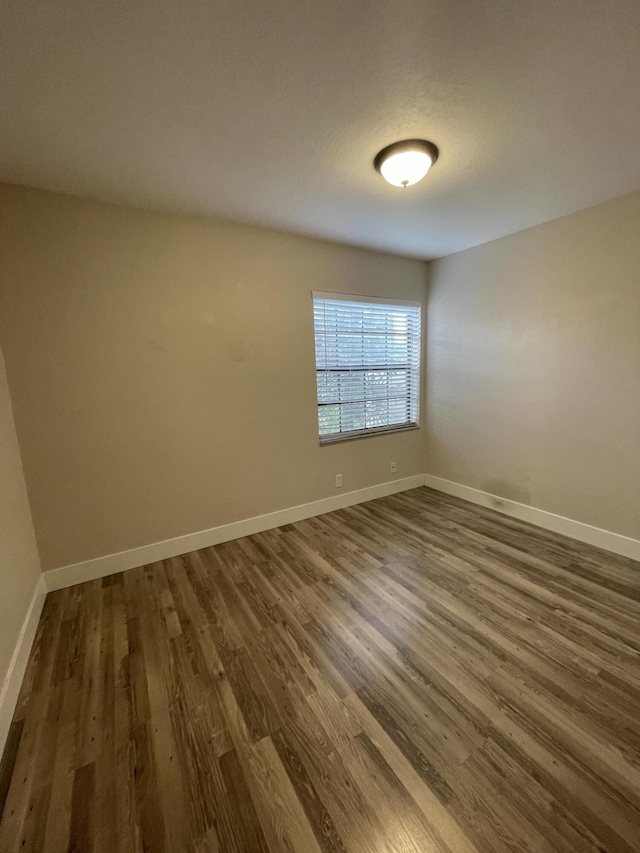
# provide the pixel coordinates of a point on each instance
(414, 367)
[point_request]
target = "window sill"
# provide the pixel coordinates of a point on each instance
(351, 436)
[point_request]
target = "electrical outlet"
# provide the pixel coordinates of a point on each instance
(393, 467)
(338, 481)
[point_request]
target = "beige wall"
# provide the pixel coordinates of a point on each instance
(162, 370)
(533, 384)
(19, 564)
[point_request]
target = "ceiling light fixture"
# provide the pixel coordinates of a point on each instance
(407, 162)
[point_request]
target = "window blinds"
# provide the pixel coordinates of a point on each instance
(367, 364)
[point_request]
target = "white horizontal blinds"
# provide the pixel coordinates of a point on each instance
(367, 363)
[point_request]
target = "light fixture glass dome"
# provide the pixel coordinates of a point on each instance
(405, 163)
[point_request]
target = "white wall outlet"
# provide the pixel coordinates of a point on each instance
(338, 481)
(393, 467)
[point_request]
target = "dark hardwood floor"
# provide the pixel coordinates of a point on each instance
(411, 674)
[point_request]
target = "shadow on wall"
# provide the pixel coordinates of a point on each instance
(513, 485)
(518, 491)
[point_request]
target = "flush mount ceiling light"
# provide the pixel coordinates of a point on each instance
(407, 162)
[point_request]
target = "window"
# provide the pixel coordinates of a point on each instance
(367, 365)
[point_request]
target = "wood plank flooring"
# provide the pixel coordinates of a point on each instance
(411, 674)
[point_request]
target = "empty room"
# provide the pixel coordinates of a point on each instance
(320, 426)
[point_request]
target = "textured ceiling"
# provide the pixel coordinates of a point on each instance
(271, 111)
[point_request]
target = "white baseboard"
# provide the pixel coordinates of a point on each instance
(112, 563)
(623, 545)
(102, 566)
(13, 679)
